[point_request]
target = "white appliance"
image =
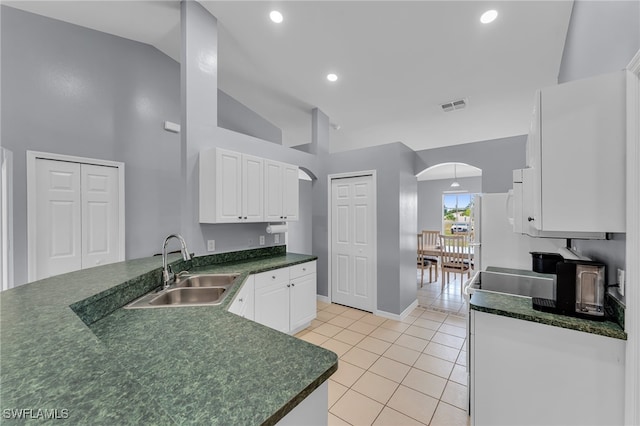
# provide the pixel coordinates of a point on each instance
(499, 245)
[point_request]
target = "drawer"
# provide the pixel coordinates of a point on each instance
(270, 277)
(302, 269)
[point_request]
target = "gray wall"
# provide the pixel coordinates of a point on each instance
(299, 237)
(497, 158)
(201, 132)
(70, 90)
(396, 218)
(233, 115)
(603, 36)
(430, 199)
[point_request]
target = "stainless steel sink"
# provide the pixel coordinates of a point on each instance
(190, 290)
(206, 280)
(189, 296)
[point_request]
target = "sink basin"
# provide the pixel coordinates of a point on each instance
(190, 290)
(189, 296)
(206, 280)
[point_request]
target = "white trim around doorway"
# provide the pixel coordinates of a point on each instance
(374, 281)
(32, 156)
(632, 292)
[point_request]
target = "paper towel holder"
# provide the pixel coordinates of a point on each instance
(277, 228)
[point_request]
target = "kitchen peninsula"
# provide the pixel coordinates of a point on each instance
(67, 345)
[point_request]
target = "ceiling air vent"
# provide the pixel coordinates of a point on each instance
(450, 106)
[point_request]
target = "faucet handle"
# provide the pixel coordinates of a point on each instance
(168, 276)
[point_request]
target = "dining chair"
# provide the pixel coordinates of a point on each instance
(423, 262)
(431, 241)
(455, 257)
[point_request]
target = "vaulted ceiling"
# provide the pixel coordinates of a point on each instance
(396, 62)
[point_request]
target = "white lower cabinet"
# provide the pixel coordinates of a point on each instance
(525, 373)
(283, 299)
(302, 296)
(272, 299)
(312, 411)
(243, 304)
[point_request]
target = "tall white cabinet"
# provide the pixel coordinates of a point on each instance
(75, 214)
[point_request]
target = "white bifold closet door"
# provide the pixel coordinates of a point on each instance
(77, 216)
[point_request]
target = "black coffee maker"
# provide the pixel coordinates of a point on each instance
(580, 289)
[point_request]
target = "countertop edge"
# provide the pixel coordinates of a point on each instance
(591, 326)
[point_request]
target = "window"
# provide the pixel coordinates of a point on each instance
(457, 213)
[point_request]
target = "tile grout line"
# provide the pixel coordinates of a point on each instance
(414, 317)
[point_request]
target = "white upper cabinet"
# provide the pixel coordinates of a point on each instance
(576, 153)
(252, 188)
(231, 188)
(281, 191)
(237, 188)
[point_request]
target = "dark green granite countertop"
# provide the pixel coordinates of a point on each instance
(520, 308)
(66, 344)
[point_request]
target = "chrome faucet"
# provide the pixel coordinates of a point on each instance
(168, 277)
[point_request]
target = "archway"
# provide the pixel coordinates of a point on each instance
(446, 198)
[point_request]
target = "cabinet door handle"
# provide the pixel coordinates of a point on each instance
(530, 219)
(245, 217)
(239, 217)
(241, 300)
(273, 277)
(281, 217)
(288, 285)
(293, 285)
(304, 269)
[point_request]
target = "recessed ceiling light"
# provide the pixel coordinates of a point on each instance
(489, 16)
(332, 77)
(276, 16)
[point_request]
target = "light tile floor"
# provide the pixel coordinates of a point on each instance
(409, 372)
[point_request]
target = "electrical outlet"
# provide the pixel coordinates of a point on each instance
(211, 245)
(276, 238)
(621, 281)
(261, 240)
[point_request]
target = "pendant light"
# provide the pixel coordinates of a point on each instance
(455, 183)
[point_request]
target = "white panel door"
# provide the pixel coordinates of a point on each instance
(252, 188)
(100, 215)
(58, 218)
(228, 186)
(352, 242)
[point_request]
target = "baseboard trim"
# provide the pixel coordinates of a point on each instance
(322, 298)
(397, 317)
